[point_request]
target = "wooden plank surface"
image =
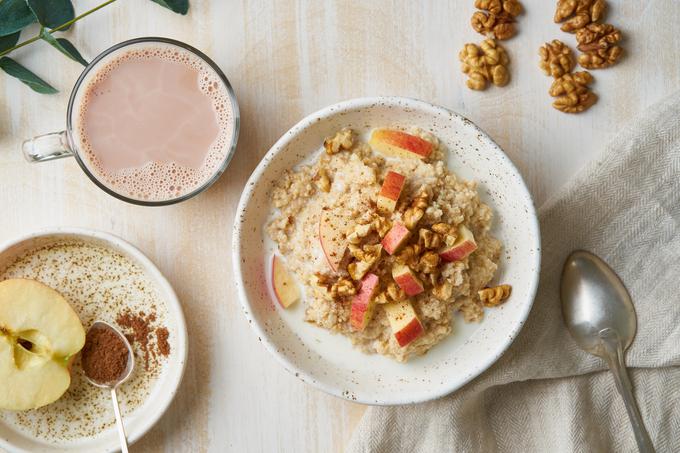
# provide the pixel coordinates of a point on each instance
(286, 59)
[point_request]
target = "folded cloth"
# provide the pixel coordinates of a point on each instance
(545, 394)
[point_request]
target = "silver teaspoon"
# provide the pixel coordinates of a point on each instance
(599, 314)
(114, 384)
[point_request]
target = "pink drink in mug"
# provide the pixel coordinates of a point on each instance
(151, 121)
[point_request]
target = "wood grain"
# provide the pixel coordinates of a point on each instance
(287, 59)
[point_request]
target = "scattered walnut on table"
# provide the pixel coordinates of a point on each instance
(576, 14)
(572, 92)
(342, 140)
(492, 297)
(511, 7)
(599, 44)
(556, 58)
(500, 26)
(485, 63)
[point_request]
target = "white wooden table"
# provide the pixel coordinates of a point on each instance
(286, 59)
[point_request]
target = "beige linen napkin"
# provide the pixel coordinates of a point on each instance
(545, 394)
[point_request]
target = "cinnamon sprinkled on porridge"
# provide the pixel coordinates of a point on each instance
(387, 243)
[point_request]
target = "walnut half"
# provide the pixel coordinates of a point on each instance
(492, 297)
(576, 14)
(572, 92)
(501, 26)
(485, 63)
(556, 58)
(599, 44)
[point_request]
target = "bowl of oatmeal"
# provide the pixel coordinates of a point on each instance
(386, 250)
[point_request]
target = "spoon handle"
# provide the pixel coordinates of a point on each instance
(615, 359)
(119, 422)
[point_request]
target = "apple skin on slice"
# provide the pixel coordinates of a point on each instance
(362, 304)
(407, 280)
(390, 191)
(395, 238)
(285, 288)
(39, 336)
(404, 322)
(393, 143)
(465, 244)
(333, 230)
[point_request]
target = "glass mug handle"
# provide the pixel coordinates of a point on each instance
(47, 147)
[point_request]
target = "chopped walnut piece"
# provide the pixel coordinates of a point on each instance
(487, 63)
(322, 180)
(442, 228)
(512, 7)
(572, 92)
(382, 299)
(576, 14)
(342, 140)
(343, 288)
(360, 232)
(366, 256)
(428, 262)
(443, 291)
(598, 42)
(501, 26)
(417, 210)
(325, 280)
(382, 226)
(556, 58)
(395, 293)
(409, 255)
(429, 239)
(492, 297)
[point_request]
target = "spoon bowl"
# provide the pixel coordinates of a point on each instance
(600, 316)
(113, 385)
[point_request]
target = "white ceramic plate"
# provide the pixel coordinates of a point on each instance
(328, 361)
(163, 389)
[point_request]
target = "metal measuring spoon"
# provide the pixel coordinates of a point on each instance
(114, 384)
(600, 316)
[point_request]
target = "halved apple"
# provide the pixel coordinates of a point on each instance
(404, 322)
(362, 303)
(333, 228)
(285, 288)
(407, 280)
(395, 143)
(395, 238)
(390, 191)
(39, 335)
(465, 244)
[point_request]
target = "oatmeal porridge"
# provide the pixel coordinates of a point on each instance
(387, 243)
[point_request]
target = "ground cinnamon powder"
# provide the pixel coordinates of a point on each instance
(104, 357)
(139, 328)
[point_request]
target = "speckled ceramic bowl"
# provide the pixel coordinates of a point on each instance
(328, 361)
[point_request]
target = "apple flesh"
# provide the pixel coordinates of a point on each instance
(285, 288)
(394, 143)
(465, 244)
(363, 304)
(395, 238)
(390, 191)
(404, 322)
(407, 280)
(39, 336)
(333, 236)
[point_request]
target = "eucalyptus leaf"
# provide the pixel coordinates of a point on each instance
(14, 15)
(9, 41)
(178, 6)
(14, 69)
(51, 13)
(63, 46)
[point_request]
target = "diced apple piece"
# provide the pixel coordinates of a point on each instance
(395, 143)
(40, 334)
(395, 238)
(390, 191)
(333, 229)
(465, 244)
(363, 304)
(404, 322)
(285, 288)
(407, 280)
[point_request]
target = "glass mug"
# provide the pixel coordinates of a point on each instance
(141, 129)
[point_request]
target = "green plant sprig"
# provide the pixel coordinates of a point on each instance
(53, 16)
